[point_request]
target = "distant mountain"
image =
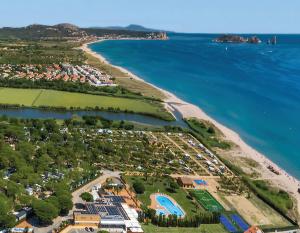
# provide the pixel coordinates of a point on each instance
(131, 27)
(67, 26)
(38, 31)
(69, 31)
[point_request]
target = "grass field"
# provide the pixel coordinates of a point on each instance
(204, 228)
(206, 200)
(51, 98)
(153, 185)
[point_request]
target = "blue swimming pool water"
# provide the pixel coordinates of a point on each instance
(200, 182)
(169, 206)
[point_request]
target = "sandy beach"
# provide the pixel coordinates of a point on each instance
(284, 181)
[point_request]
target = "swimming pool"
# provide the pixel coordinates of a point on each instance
(200, 182)
(169, 206)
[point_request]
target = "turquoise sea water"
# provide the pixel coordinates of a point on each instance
(252, 89)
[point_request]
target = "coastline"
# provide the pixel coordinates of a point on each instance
(284, 181)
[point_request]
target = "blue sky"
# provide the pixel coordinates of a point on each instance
(258, 16)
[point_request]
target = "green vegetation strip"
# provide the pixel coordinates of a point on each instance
(204, 228)
(51, 98)
(207, 133)
(206, 200)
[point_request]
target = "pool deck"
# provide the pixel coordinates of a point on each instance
(156, 206)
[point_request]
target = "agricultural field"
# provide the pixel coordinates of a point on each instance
(206, 200)
(204, 228)
(51, 98)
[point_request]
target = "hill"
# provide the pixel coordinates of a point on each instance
(70, 31)
(38, 31)
(132, 27)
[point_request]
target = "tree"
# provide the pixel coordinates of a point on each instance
(211, 130)
(139, 187)
(7, 220)
(64, 197)
(87, 197)
(65, 203)
(45, 211)
(13, 190)
(173, 186)
(43, 163)
(54, 201)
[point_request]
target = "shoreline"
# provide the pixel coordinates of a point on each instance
(284, 181)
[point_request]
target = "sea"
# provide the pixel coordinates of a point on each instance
(254, 89)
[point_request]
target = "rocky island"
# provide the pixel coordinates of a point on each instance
(237, 39)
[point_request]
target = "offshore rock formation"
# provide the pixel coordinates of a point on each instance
(237, 39)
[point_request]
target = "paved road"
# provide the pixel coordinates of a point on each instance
(76, 199)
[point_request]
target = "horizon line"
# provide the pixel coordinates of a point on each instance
(159, 29)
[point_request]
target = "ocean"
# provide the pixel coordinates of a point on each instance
(252, 89)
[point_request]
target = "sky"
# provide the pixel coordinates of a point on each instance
(203, 16)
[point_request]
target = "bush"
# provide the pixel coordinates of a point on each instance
(139, 187)
(211, 130)
(87, 197)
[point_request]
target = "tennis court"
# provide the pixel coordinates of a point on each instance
(206, 200)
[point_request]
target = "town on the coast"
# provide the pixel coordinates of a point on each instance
(87, 173)
(64, 72)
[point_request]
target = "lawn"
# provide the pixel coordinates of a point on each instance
(154, 185)
(51, 98)
(18, 96)
(204, 228)
(206, 200)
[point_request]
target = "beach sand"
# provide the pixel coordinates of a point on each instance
(284, 181)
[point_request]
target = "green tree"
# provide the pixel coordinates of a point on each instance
(13, 190)
(65, 203)
(173, 186)
(139, 187)
(45, 211)
(6, 218)
(87, 197)
(211, 130)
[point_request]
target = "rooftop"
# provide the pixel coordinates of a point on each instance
(185, 180)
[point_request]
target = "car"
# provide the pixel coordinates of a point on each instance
(87, 229)
(91, 229)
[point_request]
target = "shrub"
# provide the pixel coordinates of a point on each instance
(139, 187)
(87, 197)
